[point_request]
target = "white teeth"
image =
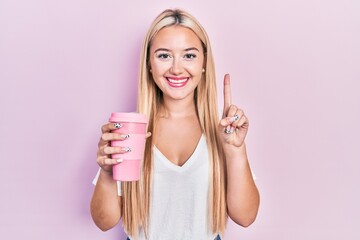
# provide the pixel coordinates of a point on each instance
(177, 81)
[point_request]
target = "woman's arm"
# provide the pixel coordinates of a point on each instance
(105, 204)
(242, 194)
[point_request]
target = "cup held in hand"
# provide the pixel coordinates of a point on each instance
(133, 124)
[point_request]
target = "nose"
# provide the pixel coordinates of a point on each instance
(176, 67)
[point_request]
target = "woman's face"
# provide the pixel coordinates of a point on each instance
(176, 61)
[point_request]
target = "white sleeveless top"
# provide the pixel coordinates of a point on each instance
(179, 197)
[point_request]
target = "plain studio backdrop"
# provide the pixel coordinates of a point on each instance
(295, 70)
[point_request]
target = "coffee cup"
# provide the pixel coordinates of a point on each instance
(134, 125)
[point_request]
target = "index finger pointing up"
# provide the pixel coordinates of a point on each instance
(227, 93)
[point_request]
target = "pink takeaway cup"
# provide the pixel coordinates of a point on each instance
(133, 124)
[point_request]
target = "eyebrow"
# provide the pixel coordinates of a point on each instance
(192, 48)
(167, 50)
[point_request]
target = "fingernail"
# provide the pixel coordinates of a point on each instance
(227, 129)
(117, 125)
(119, 160)
(125, 136)
(126, 149)
(234, 118)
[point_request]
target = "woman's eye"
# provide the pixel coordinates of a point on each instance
(163, 56)
(190, 56)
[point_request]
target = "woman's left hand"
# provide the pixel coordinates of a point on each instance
(234, 124)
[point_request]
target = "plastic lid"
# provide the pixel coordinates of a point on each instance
(128, 117)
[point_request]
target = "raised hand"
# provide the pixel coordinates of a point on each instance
(234, 124)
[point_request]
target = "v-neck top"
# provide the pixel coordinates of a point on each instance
(179, 197)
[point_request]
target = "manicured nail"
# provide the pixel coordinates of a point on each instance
(119, 160)
(234, 118)
(117, 125)
(227, 129)
(126, 149)
(126, 136)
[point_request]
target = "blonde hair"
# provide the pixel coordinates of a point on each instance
(136, 195)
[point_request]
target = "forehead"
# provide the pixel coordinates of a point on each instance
(176, 37)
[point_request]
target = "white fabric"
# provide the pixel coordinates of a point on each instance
(179, 204)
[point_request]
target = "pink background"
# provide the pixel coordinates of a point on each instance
(295, 67)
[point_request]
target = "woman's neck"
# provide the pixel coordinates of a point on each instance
(173, 108)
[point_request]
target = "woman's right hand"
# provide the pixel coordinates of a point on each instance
(105, 150)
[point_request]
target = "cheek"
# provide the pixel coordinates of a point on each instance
(159, 68)
(197, 66)
(195, 69)
(157, 72)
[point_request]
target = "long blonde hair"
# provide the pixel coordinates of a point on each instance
(136, 195)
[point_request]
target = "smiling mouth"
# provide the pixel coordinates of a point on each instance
(177, 82)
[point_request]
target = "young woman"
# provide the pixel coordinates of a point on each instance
(195, 171)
